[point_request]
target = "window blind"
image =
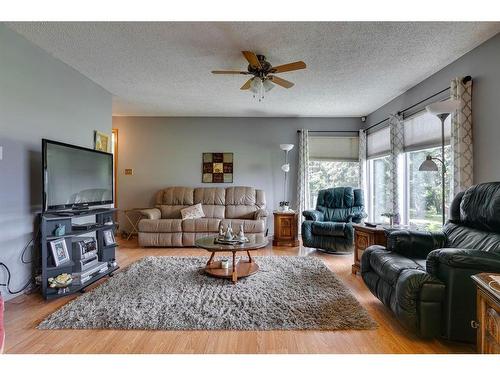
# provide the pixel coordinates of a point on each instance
(378, 143)
(334, 148)
(424, 131)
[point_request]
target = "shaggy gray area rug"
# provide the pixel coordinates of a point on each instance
(173, 293)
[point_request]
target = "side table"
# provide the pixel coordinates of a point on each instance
(133, 216)
(285, 228)
(488, 313)
(364, 237)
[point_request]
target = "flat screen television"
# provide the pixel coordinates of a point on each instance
(75, 177)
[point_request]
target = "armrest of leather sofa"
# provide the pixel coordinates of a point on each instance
(260, 214)
(483, 261)
(151, 213)
(413, 244)
(313, 215)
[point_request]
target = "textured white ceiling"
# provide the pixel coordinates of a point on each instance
(163, 69)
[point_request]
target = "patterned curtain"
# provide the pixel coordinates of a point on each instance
(362, 165)
(397, 144)
(461, 135)
(303, 175)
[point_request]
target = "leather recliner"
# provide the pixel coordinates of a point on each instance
(329, 227)
(425, 278)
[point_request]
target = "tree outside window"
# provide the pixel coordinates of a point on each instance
(329, 174)
(425, 189)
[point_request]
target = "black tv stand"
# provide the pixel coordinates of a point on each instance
(106, 253)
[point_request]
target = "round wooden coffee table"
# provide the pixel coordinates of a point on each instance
(243, 268)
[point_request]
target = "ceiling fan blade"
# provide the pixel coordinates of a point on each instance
(282, 82)
(288, 67)
(246, 86)
(252, 59)
(228, 72)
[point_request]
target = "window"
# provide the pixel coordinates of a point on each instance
(420, 193)
(423, 190)
(327, 174)
(379, 197)
(379, 168)
(424, 194)
(333, 162)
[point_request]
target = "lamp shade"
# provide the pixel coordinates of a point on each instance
(256, 85)
(286, 146)
(446, 106)
(428, 165)
(268, 85)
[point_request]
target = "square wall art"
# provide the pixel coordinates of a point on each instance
(217, 167)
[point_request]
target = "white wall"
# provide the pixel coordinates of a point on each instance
(40, 97)
(167, 151)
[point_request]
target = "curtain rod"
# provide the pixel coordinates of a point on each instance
(331, 131)
(464, 80)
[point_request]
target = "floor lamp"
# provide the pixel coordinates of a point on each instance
(285, 168)
(442, 110)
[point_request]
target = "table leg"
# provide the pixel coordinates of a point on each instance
(250, 260)
(211, 258)
(235, 276)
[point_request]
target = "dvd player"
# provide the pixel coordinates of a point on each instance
(84, 226)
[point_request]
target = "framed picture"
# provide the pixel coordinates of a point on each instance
(109, 237)
(217, 167)
(59, 251)
(101, 141)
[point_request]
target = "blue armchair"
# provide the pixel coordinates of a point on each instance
(329, 226)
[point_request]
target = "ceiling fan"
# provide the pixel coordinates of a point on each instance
(263, 74)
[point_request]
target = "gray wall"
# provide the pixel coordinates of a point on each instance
(167, 151)
(40, 97)
(483, 64)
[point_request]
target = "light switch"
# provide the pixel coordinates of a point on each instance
(1, 152)
(129, 171)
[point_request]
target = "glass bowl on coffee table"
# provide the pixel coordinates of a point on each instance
(242, 268)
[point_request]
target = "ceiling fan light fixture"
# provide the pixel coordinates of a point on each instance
(268, 85)
(256, 85)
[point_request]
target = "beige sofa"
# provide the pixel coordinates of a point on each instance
(162, 226)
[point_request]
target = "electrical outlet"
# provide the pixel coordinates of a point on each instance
(129, 171)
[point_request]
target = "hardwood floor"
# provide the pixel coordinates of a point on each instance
(23, 314)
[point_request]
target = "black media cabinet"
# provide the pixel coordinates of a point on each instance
(48, 223)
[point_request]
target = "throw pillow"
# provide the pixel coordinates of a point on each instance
(192, 212)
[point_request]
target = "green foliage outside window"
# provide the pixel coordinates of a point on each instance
(328, 174)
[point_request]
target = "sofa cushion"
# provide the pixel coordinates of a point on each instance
(328, 228)
(249, 226)
(240, 195)
(192, 212)
(389, 265)
(213, 196)
(171, 212)
(240, 212)
(176, 196)
(207, 225)
(215, 211)
(480, 206)
(160, 225)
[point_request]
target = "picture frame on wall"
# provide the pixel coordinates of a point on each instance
(217, 167)
(109, 237)
(59, 251)
(101, 141)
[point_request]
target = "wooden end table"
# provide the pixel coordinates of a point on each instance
(364, 237)
(285, 228)
(488, 313)
(237, 270)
